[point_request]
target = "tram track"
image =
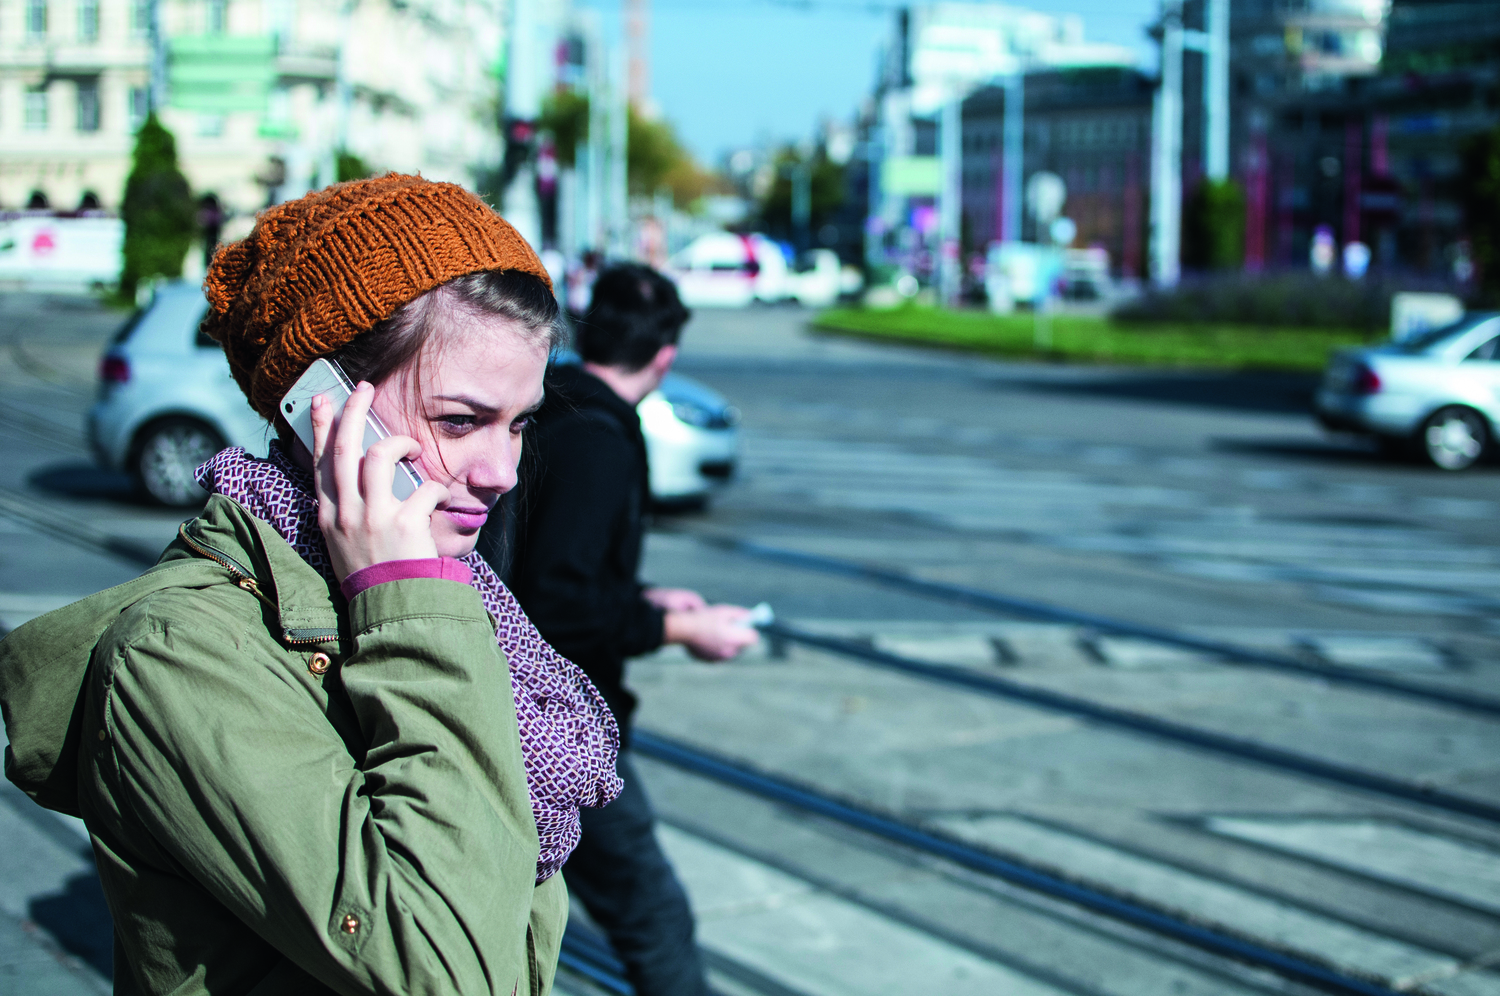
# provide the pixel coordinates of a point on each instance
(1012, 607)
(1215, 940)
(1233, 748)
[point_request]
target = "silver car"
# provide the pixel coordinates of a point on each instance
(167, 402)
(1438, 392)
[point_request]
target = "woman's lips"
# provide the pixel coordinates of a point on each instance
(467, 518)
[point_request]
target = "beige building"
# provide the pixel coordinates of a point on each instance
(261, 94)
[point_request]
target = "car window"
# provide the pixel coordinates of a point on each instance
(1488, 351)
(125, 331)
(1420, 342)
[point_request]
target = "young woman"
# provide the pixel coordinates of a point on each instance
(319, 747)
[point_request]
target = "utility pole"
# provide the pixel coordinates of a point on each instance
(1013, 156)
(802, 204)
(1216, 92)
(950, 203)
(1166, 153)
(158, 83)
(596, 162)
(523, 104)
(638, 38)
(618, 210)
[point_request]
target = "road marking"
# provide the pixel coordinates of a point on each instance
(1387, 653)
(1432, 863)
(817, 943)
(1237, 910)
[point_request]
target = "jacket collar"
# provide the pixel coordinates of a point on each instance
(576, 387)
(307, 606)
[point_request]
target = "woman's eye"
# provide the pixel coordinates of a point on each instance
(520, 423)
(457, 423)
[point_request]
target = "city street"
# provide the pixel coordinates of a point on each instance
(1207, 505)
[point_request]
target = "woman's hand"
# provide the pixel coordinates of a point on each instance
(362, 522)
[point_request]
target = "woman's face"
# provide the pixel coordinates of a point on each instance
(476, 385)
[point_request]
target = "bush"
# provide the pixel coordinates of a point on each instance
(160, 216)
(1289, 300)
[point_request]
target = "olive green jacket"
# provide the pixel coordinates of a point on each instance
(287, 794)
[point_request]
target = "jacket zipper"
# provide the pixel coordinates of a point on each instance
(243, 578)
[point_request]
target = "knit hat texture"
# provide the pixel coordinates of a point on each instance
(318, 271)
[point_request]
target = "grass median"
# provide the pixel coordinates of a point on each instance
(1091, 339)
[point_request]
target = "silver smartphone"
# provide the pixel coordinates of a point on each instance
(326, 378)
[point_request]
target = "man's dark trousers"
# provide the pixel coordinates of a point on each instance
(622, 878)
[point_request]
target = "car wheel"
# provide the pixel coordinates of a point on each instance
(166, 454)
(1454, 438)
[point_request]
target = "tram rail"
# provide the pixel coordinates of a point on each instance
(1235, 748)
(1006, 605)
(1244, 950)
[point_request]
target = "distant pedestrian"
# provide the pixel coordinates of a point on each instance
(577, 550)
(211, 224)
(581, 283)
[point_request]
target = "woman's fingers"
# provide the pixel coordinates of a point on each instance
(321, 414)
(348, 445)
(424, 502)
(378, 474)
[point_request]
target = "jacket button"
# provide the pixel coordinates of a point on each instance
(101, 734)
(319, 665)
(350, 924)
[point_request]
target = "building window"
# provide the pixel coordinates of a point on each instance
(140, 106)
(36, 108)
(36, 19)
(211, 125)
(218, 16)
(140, 18)
(88, 105)
(88, 20)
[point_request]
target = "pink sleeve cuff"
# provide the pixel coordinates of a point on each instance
(443, 568)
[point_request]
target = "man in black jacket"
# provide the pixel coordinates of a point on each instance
(577, 549)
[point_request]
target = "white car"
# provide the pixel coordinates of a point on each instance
(1438, 392)
(167, 403)
(725, 270)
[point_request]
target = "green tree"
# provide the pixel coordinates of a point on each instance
(827, 190)
(654, 158)
(158, 211)
(1481, 201)
(1214, 228)
(565, 113)
(347, 166)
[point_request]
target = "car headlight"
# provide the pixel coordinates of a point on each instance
(693, 414)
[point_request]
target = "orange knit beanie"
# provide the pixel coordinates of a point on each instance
(318, 271)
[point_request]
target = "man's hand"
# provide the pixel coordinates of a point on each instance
(674, 599)
(712, 633)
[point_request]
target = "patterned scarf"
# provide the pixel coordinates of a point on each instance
(568, 736)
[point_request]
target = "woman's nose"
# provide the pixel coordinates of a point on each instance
(494, 467)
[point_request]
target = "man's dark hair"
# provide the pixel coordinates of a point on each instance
(635, 311)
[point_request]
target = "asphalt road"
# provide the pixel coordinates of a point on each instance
(1206, 503)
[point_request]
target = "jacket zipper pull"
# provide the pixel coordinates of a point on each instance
(249, 585)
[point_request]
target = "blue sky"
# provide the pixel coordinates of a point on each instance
(727, 72)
